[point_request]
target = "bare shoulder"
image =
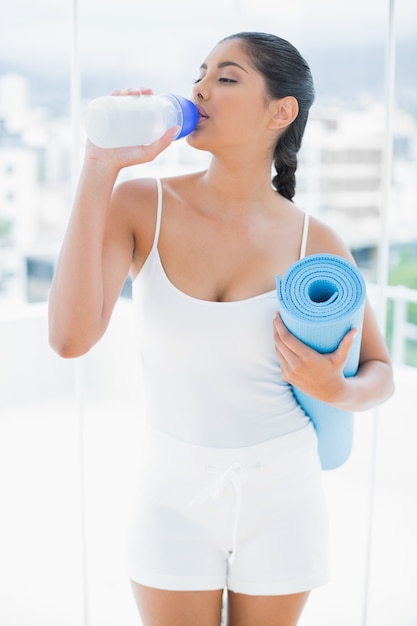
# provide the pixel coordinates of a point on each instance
(133, 212)
(140, 194)
(322, 239)
(181, 187)
(134, 196)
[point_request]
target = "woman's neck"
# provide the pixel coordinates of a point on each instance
(238, 182)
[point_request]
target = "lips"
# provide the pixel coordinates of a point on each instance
(202, 115)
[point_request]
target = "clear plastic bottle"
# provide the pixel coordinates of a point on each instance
(121, 121)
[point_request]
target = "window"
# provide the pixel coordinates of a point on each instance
(63, 424)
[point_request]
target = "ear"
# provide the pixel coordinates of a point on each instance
(283, 112)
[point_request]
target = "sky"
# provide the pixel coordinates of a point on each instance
(162, 31)
(161, 43)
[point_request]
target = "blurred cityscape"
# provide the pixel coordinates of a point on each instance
(340, 178)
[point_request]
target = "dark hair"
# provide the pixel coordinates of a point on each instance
(286, 73)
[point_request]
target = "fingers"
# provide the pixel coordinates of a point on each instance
(152, 150)
(289, 348)
(133, 91)
(342, 352)
(319, 375)
(284, 339)
(290, 351)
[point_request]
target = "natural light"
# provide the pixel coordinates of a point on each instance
(68, 427)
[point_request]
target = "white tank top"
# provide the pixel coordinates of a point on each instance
(210, 371)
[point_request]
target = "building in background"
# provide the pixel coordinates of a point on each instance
(34, 189)
(339, 180)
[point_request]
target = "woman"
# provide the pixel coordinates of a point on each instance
(232, 495)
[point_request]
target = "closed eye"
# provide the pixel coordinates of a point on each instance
(221, 80)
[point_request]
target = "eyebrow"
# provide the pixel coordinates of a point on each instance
(225, 64)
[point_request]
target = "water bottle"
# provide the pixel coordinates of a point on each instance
(121, 121)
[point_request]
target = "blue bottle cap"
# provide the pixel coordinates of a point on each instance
(189, 116)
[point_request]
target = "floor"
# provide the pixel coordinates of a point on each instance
(67, 473)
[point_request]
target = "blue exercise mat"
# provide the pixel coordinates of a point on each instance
(321, 297)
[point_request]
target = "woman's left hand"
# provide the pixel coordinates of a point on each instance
(319, 375)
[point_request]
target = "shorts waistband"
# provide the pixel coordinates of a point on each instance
(293, 446)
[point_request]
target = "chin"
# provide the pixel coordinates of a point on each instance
(195, 140)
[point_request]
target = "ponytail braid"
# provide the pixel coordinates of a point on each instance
(285, 163)
(285, 157)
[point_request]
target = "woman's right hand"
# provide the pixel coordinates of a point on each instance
(118, 158)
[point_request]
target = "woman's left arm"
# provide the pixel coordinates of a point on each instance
(321, 375)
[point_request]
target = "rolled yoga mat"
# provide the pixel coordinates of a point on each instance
(321, 297)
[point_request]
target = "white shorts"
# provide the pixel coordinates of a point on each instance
(251, 519)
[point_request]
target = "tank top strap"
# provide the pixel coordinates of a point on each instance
(158, 212)
(304, 236)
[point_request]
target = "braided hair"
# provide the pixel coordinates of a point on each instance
(286, 73)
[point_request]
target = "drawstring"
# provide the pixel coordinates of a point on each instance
(236, 475)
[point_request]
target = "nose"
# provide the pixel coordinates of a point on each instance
(200, 92)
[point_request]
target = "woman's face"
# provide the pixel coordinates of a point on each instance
(231, 97)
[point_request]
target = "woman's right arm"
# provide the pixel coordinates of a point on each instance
(97, 250)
